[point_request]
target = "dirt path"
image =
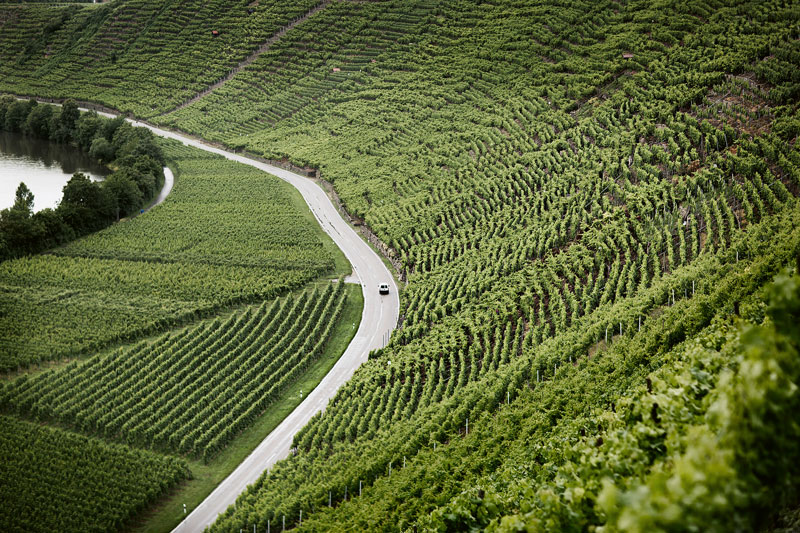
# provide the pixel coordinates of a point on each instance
(252, 57)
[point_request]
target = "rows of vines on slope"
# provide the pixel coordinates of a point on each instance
(78, 484)
(561, 393)
(544, 203)
(227, 234)
(190, 392)
(554, 179)
(141, 57)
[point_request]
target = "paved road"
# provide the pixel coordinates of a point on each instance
(377, 321)
(169, 181)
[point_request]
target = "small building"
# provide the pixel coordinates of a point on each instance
(627, 55)
(337, 69)
(215, 33)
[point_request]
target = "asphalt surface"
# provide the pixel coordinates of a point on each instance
(378, 319)
(169, 181)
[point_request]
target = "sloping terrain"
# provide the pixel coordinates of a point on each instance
(589, 201)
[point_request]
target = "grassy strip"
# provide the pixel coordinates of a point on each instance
(169, 511)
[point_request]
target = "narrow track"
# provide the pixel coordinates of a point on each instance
(249, 59)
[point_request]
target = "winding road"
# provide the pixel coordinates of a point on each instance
(378, 320)
(169, 181)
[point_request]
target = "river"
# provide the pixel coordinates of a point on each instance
(44, 166)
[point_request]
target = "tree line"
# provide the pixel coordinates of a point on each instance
(136, 161)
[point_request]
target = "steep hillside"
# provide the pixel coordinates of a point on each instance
(141, 56)
(589, 202)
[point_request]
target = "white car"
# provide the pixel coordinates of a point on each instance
(383, 288)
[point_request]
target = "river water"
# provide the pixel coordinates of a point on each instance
(44, 166)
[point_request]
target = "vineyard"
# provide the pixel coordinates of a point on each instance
(227, 234)
(594, 206)
(189, 392)
(145, 57)
(76, 483)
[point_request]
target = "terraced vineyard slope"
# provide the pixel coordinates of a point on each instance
(192, 392)
(594, 205)
(166, 50)
(80, 485)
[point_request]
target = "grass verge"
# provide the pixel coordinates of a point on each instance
(168, 513)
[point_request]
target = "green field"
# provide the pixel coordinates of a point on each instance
(594, 205)
(154, 395)
(148, 309)
(152, 273)
(76, 483)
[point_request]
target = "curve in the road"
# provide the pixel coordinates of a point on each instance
(378, 320)
(169, 181)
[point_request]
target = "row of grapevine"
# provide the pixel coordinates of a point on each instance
(113, 41)
(190, 392)
(570, 190)
(588, 184)
(560, 390)
(54, 480)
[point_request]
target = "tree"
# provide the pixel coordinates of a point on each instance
(86, 129)
(86, 206)
(69, 115)
(19, 231)
(101, 150)
(38, 122)
(17, 114)
(126, 192)
(23, 200)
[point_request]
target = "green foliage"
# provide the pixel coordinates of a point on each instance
(57, 480)
(579, 195)
(159, 394)
(227, 234)
(149, 57)
(86, 206)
